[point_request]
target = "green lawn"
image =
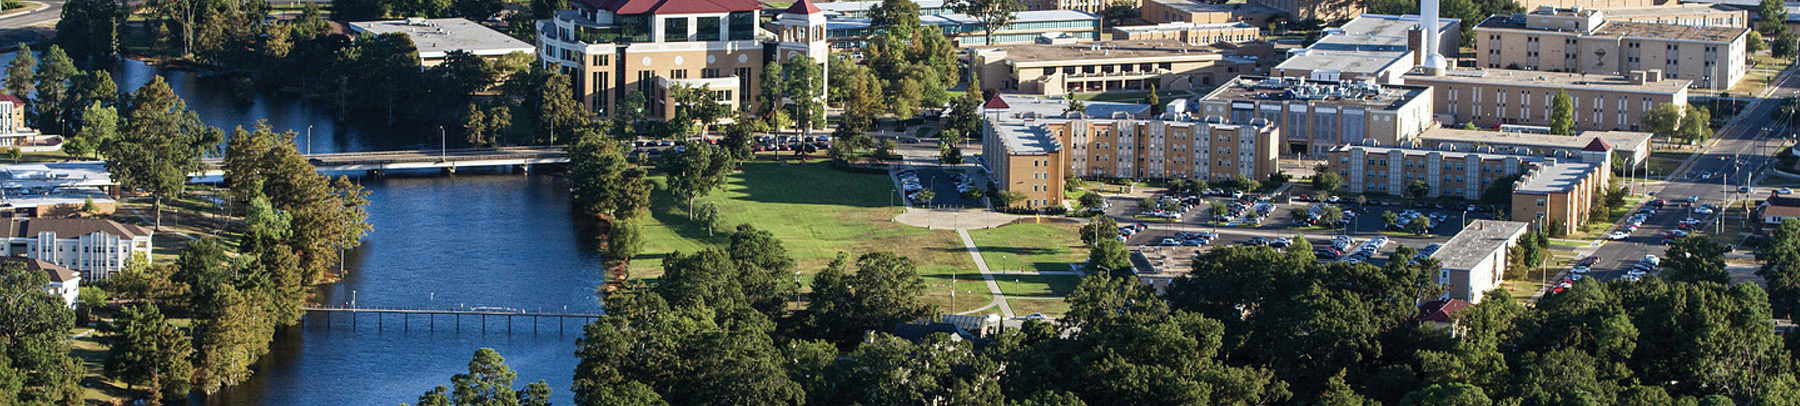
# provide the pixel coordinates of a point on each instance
(816, 212)
(1134, 96)
(1023, 307)
(1032, 247)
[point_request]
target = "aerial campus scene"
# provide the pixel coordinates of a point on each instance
(899, 202)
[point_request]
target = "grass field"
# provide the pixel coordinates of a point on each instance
(1134, 96)
(1032, 247)
(816, 212)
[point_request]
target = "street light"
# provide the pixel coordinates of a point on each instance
(443, 145)
(309, 140)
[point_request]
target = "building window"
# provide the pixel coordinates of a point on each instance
(675, 30)
(678, 74)
(706, 28)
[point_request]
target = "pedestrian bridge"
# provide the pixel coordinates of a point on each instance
(446, 159)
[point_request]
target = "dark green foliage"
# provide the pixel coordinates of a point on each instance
(1696, 259)
(883, 291)
(1109, 256)
(35, 366)
(603, 181)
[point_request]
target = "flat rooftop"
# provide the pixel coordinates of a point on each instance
(1623, 140)
(1053, 107)
(1545, 178)
(1476, 242)
(1610, 83)
(436, 37)
(67, 195)
(1345, 62)
(847, 7)
(1347, 93)
(1091, 52)
(1669, 31)
(1632, 30)
(1380, 150)
(1667, 10)
(54, 175)
(1387, 25)
(953, 19)
(1177, 27)
(1025, 137)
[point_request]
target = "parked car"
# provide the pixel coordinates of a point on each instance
(1618, 235)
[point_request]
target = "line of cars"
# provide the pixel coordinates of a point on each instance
(791, 143)
(1636, 220)
(964, 183)
(1338, 245)
(909, 184)
(1126, 231)
(1368, 249)
(1191, 239)
(1407, 216)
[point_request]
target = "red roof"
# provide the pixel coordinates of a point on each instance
(1597, 146)
(674, 6)
(803, 7)
(1442, 311)
(11, 98)
(996, 104)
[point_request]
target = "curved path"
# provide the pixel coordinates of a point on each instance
(993, 287)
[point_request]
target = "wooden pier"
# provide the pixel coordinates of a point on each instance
(406, 316)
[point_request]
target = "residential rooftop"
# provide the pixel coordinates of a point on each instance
(1346, 93)
(1026, 137)
(1476, 242)
(1625, 29)
(68, 228)
(1618, 139)
(1053, 107)
(1180, 26)
(1553, 176)
(436, 37)
(1563, 80)
(1093, 52)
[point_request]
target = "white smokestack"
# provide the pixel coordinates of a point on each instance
(1428, 30)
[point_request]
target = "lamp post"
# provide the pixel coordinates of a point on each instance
(443, 145)
(309, 140)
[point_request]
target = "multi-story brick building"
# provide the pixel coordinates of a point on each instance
(1633, 148)
(1189, 33)
(1058, 69)
(611, 47)
(1322, 10)
(1198, 12)
(97, 248)
(1091, 6)
(1021, 155)
(1548, 188)
(1693, 14)
(1531, 4)
(1492, 97)
(1318, 115)
(1583, 41)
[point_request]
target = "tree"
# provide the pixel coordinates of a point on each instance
(53, 96)
(1393, 7)
(1787, 45)
(1109, 255)
(14, 154)
(1754, 42)
(1781, 268)
(1153, 101)
(146, 350)
(1327, 182)
(694, 105)
(925, 196)
(34, 349)
(90, 28)
(1458, 394)
(1102, 228)
(99, 124)
(21, 73)
(1389, 219)
(1331, 215)
(949, 154)
(1562, 114)
(1696, 259)
(1557, 228)
(1093, 201)
(476, 10)
(161, 143)
(805, 84)
(604, 182)
(770, 94)
(1075, 106)
(697, 172)
(1771, 14)
(884, 290)
(1420, 225)
(1418, 189)
(559, 108)
(625, 240)
(1696, 125)
(1663, 120)
(708, 214)
(488, 383)
(993, 14)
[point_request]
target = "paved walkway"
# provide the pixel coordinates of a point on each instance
(956, 219)
(993, 287)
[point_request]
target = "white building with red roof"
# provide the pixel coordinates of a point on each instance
(611, 48)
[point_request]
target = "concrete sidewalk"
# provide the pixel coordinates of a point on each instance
(980, 264)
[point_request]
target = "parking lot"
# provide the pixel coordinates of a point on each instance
(945, 184)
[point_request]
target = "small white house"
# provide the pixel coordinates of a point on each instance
(64, 282)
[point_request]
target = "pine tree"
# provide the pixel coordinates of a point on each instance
(1562, 114)
(145, 349)
(21, 74)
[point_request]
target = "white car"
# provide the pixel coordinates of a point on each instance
(1784, 191)
(1580, 269)
(1617, 235)
(1703, 210)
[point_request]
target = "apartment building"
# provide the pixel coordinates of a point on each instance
(435, 38)
(612, 47)
(1548, 188)
(1021, 155)
(1091, 6)
(1531, 4)
(1583, 41)
(1059, 69)
(860, 9)
(97, 248)
(1474, 261)
(1323, 10)
(1027, 27)
(1631, 147)
(1189, 33)
(1316, 116)
(1198, 12)
(1169, 148)
(1490, 98)
(1690, 14)
(65, 283)
(1372, 46)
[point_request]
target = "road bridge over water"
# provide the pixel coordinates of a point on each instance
(446, 159)
(408, 316)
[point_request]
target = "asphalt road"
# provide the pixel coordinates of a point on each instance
(51, 12)
(1735, 160)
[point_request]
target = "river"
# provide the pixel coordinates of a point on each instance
(473, 240)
